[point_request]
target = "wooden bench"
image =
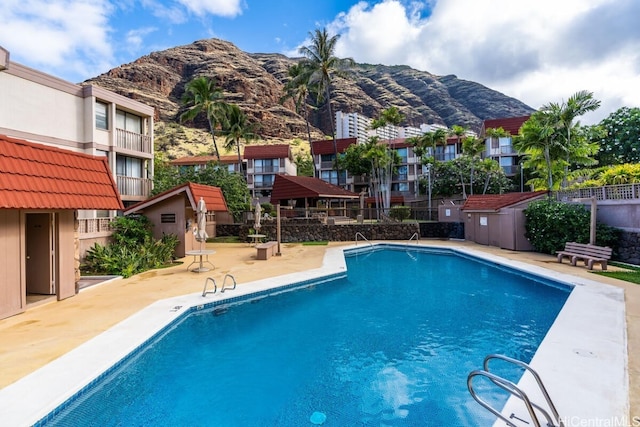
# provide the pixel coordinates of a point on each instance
(265, 250)
(590, 254)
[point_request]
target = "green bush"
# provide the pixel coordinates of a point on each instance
(400, 212)
(549, 225)
(133, 250)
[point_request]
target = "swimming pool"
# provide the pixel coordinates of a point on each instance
(591, 322)
(391, 344)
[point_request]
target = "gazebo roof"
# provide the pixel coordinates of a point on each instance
(287, 187)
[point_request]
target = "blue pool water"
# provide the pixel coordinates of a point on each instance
(390, 345)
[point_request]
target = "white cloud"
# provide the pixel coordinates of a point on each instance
(537, 51)
(135, 38)
(227, 8)
(53, 34)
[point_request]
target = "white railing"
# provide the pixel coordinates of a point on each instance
(133, 141)
(608, 192)
(130, 186)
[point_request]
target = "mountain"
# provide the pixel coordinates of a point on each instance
(255, 82)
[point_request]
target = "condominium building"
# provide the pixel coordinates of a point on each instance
(501, 149)
(41, 108)
(264, 162)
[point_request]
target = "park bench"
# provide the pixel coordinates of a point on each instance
(265, 250)
(590, 254)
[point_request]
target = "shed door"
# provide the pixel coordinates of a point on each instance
(40, 253)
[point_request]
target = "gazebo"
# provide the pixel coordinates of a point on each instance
(315, 196)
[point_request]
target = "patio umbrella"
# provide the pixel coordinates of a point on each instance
(201, 226)
(256, 224)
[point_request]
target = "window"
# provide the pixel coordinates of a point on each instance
(260, 181)
(129, 166)
(266, 165)
(128, 121)
(102, 121)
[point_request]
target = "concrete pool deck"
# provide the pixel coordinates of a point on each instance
(44, 333)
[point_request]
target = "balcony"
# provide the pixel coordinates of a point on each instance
(134, 187)
(133, 141)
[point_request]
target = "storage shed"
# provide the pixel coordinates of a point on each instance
(174, 212)
(498, 219)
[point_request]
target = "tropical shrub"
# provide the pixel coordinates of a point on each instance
(549, 225)
(400, 213)
(132, 251)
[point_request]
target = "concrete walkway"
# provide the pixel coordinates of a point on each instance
(45, 332)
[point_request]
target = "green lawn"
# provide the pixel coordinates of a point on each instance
(633, 275)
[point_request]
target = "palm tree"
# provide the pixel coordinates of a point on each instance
(322, 65)
(472, 147)
(458, 131)
(298, 89)
(439, 138)
(578, 104)
(388, 116)
(236, 128)
(203, 96)
(539, 135)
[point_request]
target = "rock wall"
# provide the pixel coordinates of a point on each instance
(312, 231)
(628, 249)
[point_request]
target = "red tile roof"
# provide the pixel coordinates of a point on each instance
(36, 176)
(510, 124)
(325, 146)
(269, 151)
(212, 196)
(202, 160)
(495, 202)
(297, 187)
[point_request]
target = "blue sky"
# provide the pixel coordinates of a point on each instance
(538, 51)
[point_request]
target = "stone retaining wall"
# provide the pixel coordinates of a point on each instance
(312, 230)
(628, 249)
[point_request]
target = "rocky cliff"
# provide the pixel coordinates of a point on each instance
(255, 82)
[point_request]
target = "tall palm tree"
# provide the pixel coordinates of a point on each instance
(322, 64)
(458, 131)
(472, 147)
(203, 96)
(236, 127)
(298, 89)
(439, 138)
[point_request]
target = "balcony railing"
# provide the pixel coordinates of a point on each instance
(263, 185)
(266, 169)
(133, 141)
(130, 186)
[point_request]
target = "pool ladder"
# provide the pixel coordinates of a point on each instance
(517, 392)
(215, 287)
(363, 238)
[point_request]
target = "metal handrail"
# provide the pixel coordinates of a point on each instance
(416, 235)
(206, 282)
(224, 283)
(506, 385)
(535, 375)
(360, 234)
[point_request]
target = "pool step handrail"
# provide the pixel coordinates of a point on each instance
(224, 283)
(364, 238)
(206, 282)
(510, 387)
(416, 235)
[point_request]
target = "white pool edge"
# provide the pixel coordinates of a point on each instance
(582, 360)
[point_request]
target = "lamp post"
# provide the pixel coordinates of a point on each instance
(429, 187)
